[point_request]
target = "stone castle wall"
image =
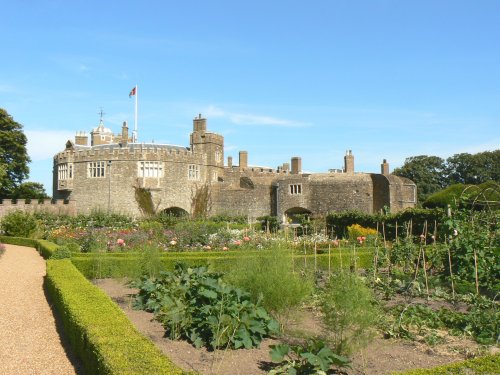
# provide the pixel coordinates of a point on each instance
(58, 207)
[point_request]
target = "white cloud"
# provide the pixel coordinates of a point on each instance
(252, 119)
(44, 144)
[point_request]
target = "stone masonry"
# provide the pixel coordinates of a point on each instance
(105, 174)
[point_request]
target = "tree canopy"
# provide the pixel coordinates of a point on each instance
(432, 173)
(14, 157)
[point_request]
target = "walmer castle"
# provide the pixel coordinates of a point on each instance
(113, 172)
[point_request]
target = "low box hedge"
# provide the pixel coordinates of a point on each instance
(19, 241)
(489, 364)
(100, 333)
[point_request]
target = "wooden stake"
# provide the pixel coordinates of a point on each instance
(315, 258)
(475, 268)
(425, 272)
(451, 273)
(329, 260)
(397, 239)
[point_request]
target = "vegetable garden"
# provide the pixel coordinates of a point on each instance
(423, 276)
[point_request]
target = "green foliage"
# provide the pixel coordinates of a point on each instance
(475, 236)
(480, 196)
(14, 157)
(19, 224)
(349, 312)
(269, 222)
(312, 358)
(426, 171)
(99, 332)
(195, 304)
(489, 364)
(30, 190)
(62, 252)
(144, 200)
(201, 201)
(480, 322)
(270, 277)
(474, 168)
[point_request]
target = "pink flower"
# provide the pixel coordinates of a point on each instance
(207, 247)
(120, 242)
(335, 243)
(237, 242)
(225, 248)
(246, 238)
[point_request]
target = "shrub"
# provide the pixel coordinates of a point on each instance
(349, 312)
(62, 252)
(19, 224)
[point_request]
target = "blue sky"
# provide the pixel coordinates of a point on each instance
(384, 78)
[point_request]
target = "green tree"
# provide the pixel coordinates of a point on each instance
(473, 169)
(428, 172)
(30, 190)
(14, 157)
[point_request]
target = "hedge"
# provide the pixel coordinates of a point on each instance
(489, 364)
(100, 333)
(103, 265)
(19, 241)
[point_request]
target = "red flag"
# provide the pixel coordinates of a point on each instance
(132, 92)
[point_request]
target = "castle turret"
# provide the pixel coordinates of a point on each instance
(199, 124)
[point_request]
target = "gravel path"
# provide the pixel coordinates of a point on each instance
(29, 340)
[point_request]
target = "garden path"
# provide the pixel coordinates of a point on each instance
(29, 338)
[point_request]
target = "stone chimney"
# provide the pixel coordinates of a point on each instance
(349, 162)
(200, 124)
(124, 140)
(81, 138)
(230, 161)
(286, 167)
(384, 167)
(296, 165)
(243, 159)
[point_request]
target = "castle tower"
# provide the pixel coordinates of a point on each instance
(349, 162)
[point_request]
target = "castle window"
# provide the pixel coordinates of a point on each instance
(150, 169)
(96, 169)
(214, 176)
(65, 171)
(295, 189)
(193, 172)
(218, 156)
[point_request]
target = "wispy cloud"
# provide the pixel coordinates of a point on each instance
(253, 119)
(44, 144)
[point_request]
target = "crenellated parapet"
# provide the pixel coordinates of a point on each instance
(60, 206)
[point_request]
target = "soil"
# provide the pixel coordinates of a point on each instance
(381, 356)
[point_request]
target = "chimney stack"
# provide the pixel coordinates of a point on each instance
(230, 161)
(296, 165)
(243, 159)
(384, 168)
(81, 138)
(349, 162)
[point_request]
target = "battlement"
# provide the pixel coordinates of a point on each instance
(60, 206)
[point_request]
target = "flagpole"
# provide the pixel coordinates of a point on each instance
(135, 119)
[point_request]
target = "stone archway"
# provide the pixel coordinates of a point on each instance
(175, 212)
(298, 214)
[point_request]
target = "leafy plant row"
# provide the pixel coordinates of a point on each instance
(196, 305)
